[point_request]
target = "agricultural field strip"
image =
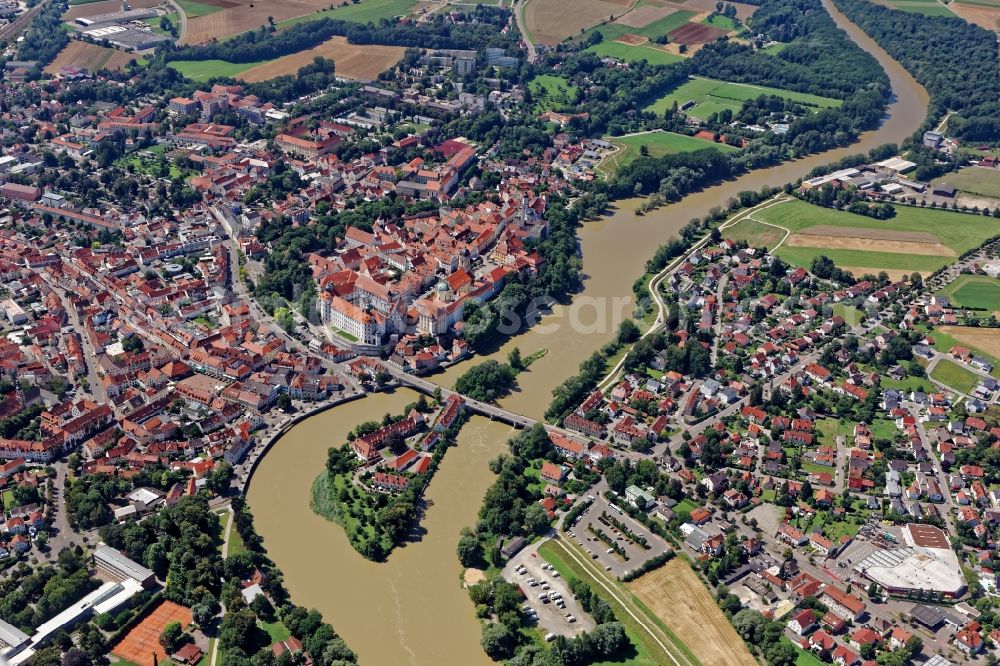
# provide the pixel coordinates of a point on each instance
(614, 590)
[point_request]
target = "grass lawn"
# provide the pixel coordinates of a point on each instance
(776, 48)
(851, 314)
(552, 92)
(955, 376)
(812, 468)
(712, 96)
(754, 233)
(154, 23)
(629, 53)
(8, 500)
(236, 545)
(872, 262)
(943, 342)
(203, 70)
(276, 630)
(977, 180)
(907, 384)
(644, 649)
(979, 292)
(958, 231)
(828, 429)
(768, 495)
(721, 22)
(804, 658)
(368, 11)
(658, 144)
(193, 9)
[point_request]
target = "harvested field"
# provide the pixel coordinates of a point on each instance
(895, 274)
(631, 40)
(106, 7)
(551, 21)
(91, 56)
(243, 17)
(875, 234)
(743, 11)
(984, 339)
(144, 638)
(696, 33)
(679, 599)
(868, 245)
(363, 63)
(643, 16)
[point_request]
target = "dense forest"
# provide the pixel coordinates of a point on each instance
(267, 44)
(955, 60)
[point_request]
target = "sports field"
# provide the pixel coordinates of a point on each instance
(916, 239)
(649, 52)
(712, 96)
(658, 144)
(980, 292)
(682, 602)
(974, 180)
(953, 375)
(552, 92)
(144, 639)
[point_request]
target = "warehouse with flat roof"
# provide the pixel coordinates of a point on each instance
(926, 562)
(116, 565)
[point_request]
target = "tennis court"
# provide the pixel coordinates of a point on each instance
(139, 644)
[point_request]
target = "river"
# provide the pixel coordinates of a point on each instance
(412, 610)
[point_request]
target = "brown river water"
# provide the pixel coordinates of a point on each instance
(412, 610)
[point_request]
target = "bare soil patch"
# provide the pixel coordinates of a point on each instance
(743, 11)
(676, 595)
(90, 56)
(696, 33)
(875, 234)
(631, 40)
(105, 7)
(895, 274)
(984, 339)
(552, 21)
(242, 17)
(869, 245)
(361, 62)
(643, 16)
(985, 17)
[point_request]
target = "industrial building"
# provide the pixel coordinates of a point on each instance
(126, 38)
(925, 563)
(116, 17)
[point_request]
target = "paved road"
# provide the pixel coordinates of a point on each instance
(182, 32)
(89, 353)
(518, 8)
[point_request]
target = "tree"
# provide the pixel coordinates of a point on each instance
(535, 519)
(781, 654)
(514, 359)
(497, 641)
(285, 402)
(470, 551)
(750, 624)
(171, 635)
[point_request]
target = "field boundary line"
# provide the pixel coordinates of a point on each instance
(643, 622)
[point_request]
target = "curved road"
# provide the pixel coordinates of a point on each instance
(182, 33)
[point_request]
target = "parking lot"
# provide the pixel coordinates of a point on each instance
(614, 562)
(550, 616)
